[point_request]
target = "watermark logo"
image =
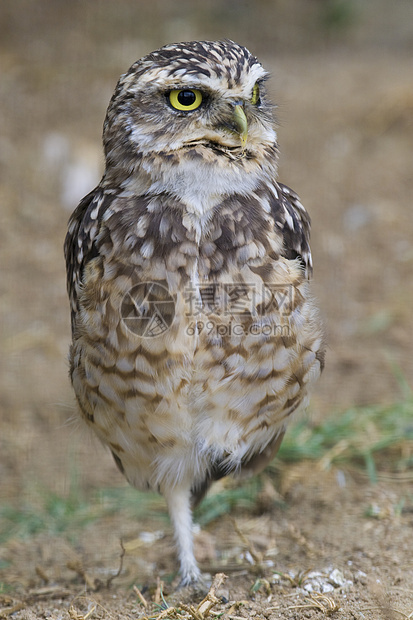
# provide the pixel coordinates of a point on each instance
(238, 299)
(148, 309)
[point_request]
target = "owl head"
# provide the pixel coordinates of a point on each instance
(201, 101)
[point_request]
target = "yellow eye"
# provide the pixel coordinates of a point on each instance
(255, 99)
(186, 99)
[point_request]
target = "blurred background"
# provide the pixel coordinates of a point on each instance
(342, 77)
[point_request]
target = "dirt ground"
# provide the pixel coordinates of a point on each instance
(317, 541)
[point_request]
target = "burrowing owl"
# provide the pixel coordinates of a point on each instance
(195, 336)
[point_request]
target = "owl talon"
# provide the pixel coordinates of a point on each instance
(193, 578)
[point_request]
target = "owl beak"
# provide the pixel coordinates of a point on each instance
(241, 124)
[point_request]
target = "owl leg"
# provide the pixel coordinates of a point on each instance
(179, 507)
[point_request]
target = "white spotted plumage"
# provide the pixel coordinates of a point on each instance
(190, 223)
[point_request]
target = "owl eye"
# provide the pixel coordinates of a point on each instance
(185, 99)
(255, 99)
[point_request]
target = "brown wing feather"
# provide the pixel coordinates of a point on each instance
(294, 223)
(79, 246)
